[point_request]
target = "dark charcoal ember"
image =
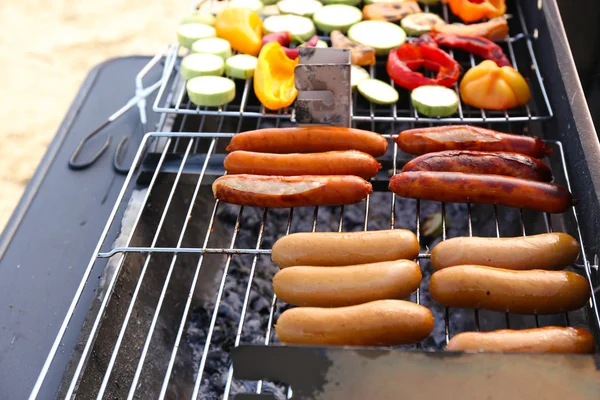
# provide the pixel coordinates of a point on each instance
(260, 297)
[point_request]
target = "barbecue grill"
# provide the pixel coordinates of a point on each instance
(184, 306)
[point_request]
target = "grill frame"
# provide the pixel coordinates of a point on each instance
(582, 120)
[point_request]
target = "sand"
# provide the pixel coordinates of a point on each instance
(46, 50)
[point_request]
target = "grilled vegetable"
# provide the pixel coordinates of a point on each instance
(211, 91)
(555, 250)
(549, 339)
(303, 8)
(377, 91)
(291, 191)
(420, 23)
(521, 292)
(456, 187)
(187, 34)
(309, 139)
(344, 248)
(274, 77)
(482, 47)
(434, 100)
(242, 28)
(218, 47)
(357, 74)
(348, 162)
(494, 29)
(347, 2)
(464, 137)
(301, 27)
(382, 36)
(378, 323)
(480, 162)
(347, 286)
(389, 11)
(254, 5)
(472, 11)
(241, 66)
(198, 17)
(491, 87)
(359, 53)
(336, 17)
(403, 62)
(283, 38)
(199, 64)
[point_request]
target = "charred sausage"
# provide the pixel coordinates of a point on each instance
(309, 139)
(456, 187)
(290, 191)
(549, 339)
(520, 292)
(349, 162)
(344, 248)
(378, 323)
(480, 162)
(347, 286)
(464, 137)
(546, 251)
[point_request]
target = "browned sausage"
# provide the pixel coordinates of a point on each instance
(344, 248)
(378, 323)
(347, 286)
(309, 139)
(456, 187)
(521, 292)
(464, 137)
(480, 162)
(349, 162)
(555, 250)
(549, 339)
(291, 191)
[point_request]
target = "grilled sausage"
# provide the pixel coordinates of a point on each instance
(464, 137)
(549, 339)
(521, 292)
(378, 323)
(329, 163)
(494, 29)
(344, 248)
(347, 286)
(456, 187)
(309, 139)
(479, 162)
(546, 251)
(291, 191)
(390, 11)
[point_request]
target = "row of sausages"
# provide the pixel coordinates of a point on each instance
(347, 286)
(312, 166)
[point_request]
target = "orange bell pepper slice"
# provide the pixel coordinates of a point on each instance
(491, 87)
(274, 77)
(242, 28)
(476, 10)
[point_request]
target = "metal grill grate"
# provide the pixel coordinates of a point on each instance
(172, 97)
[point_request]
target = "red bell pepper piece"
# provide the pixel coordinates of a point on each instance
(295, 53)
(403, 61)
(283, 38)
(479, 46)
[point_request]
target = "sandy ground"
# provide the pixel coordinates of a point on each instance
(46, 49)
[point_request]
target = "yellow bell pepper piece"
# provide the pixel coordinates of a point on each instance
(274, 77)
(242, 28)
(491, 87)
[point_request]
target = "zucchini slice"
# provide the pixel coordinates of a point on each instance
(254, 5)
(199, 64)
(347, 2)
(336, 17)
(241, 66)
(187, 34)
(303, 8)
(217, 46)
(299, 26)
(420, 23)
(434, 100)
(381, 35)
(210, 91)
(357, 74)
(377, 91)
(199, 17)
